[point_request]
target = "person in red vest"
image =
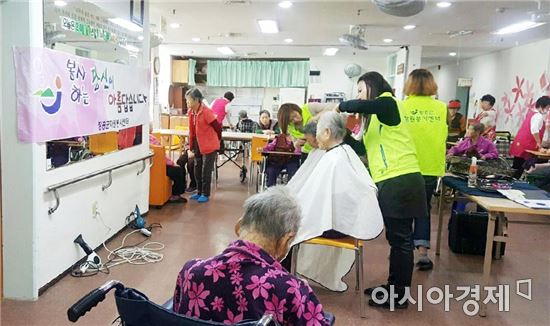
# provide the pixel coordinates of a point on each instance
(204, 142)
(530, 134)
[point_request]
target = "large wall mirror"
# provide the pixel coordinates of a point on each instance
(109, 31)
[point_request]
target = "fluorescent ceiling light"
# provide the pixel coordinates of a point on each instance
(175, 25)
(288, 40)
(330, 51)
(452, 54)
(444, 4)
(518, 27)
(225, 50)
(130, 48)
(60, 3)
(140, 37)
(196, 39)
(409, 27)
(285, 4)
(388, 40)
(126, 24)
(268, 26)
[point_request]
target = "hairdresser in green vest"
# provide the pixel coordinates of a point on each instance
(426, 119)
(394, 168)
(296, 118)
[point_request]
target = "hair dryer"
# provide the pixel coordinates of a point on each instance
(92, 256)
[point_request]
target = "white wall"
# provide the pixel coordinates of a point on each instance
(19, 193)
(495, 74)
(333, 78)
(37, 246)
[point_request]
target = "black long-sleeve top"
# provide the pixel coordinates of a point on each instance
(385, 109)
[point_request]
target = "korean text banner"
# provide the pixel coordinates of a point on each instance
(61, 95)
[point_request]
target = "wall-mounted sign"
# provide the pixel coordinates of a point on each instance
(87, 30)
(400, 69)
(61, 95)
(464, 82)
(94, 23)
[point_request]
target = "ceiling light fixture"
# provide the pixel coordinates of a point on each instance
(444, 4)
(196, 39)
(409, 27)
(285, 4)
(175, 25)
(518, 27)
(140, 37)
(126, 24)
(388, 40)
(452, 54)
(330, 51)
(60, 3)
(288, 40)
(268, 26)
(225, 50)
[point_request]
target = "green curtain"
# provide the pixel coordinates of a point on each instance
(224, 73)
(192, 65)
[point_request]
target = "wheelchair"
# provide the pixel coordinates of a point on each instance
(135, 309)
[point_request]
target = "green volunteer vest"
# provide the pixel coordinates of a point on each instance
(426, 120)
(390, 149)
(297, 133)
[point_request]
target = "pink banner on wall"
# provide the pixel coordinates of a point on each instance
(61, 95)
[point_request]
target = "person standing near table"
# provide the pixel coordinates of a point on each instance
(220, 107)
(426, 119)
(204, 142)
(530, 135)
(488, 116)
(394, 168)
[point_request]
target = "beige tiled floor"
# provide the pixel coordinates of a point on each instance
(194, 230)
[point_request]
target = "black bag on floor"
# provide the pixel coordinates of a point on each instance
(468, 232)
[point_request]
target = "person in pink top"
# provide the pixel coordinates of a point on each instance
(220, 108)
(174, 172)
(530, 135)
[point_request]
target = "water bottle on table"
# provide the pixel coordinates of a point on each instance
(472, 173)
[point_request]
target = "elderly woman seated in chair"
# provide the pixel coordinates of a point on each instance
(338, 199)
(246, 280)
(474, 144)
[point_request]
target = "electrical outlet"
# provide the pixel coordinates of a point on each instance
(95, 209)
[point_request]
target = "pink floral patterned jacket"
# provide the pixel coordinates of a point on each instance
(243, 283)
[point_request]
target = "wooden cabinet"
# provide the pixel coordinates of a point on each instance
(180, 71)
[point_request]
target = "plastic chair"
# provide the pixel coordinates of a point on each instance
(256, 147)
(349, 243)
(160, 186)
(136, 309)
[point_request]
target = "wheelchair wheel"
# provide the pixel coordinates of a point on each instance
(243, 174)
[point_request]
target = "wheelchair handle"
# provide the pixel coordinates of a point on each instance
(90, 300)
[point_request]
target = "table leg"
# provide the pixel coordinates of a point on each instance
(499, 232)
(488, 259)
(440, 219)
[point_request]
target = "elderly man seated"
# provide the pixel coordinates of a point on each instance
(246, 280)
(338, 198)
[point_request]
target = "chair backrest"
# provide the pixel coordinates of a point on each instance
(103, 143)
(179, 120)
(503, 134)
(256, 147)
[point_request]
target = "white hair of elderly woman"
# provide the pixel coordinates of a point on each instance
(273, 213)
(334, 122)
